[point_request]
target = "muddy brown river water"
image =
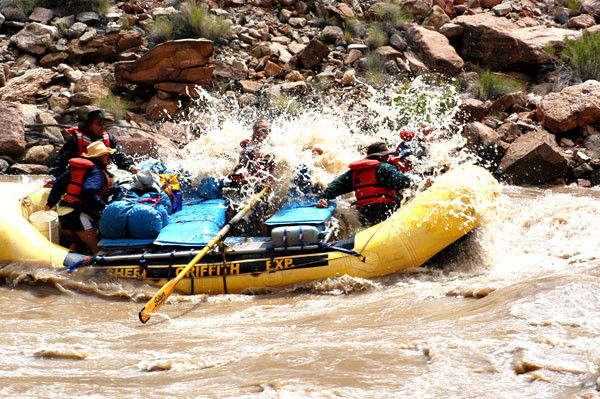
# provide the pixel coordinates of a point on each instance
(512, 311)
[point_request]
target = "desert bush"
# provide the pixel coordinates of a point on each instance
(375, 70)
(114, 105)
(376, 36)
(493, 85)
(417, 102)
(192, 21)
(352, 27)
(161, 29)
(583, 55)
(392, 13)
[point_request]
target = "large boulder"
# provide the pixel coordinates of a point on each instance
(12, 129)
(574, 106)
(534, 158)
(313, 53)
(435, 50)
(176, 61)
(498, 43)
(27, 87)
(35, 38)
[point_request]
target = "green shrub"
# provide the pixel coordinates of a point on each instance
(285, 103)
(161, 29)
(194, 21)
(583, 55)
(191, 22)
(415, 103)
(115, 105)
(392, 13)
(352, 28)
(573, 5)
(376, 36)
(493, 85)
(375, 73)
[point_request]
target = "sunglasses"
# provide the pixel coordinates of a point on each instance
(262, 130)
(100, 122)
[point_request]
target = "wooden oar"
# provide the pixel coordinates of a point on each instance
(161, 296)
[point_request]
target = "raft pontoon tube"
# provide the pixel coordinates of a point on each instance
(445, 212)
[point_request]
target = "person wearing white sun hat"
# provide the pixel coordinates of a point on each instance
(85, 184)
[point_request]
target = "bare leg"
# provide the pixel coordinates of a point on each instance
(90, 238)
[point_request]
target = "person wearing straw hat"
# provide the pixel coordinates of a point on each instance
(84, 185)
(375, 182)
(81, 136)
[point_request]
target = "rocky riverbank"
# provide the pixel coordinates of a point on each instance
(57, 65)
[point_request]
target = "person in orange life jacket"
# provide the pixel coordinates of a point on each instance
(92, 130)
(84, 184)
(254, 169)
(376, 184)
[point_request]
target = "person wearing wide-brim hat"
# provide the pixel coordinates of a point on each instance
(85, 185)
(94, 129)
(376, 183)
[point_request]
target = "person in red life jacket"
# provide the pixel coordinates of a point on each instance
(255, 166)
(410, 149)
(375, 182)
(253, 172)
(85, 185)
(81, 136)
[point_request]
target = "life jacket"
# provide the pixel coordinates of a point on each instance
(83, 140)
(259, 166)
(365, 184)
(403, 165)
(79, 167)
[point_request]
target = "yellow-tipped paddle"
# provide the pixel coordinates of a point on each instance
(161, 296)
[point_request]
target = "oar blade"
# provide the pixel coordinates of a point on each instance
(157, 300)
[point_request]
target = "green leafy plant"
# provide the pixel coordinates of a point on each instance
(583, 55)
(115, 105)
(416, 102)
(493, 85)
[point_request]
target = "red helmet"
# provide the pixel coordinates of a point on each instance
(406, 135)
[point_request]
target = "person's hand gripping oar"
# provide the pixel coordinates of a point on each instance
(161, 296)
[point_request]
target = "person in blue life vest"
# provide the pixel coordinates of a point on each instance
(84, 184)
(375, 182)
(80, 137)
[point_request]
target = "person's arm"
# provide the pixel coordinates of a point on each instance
(67, 151)
(390, 177)
(341, 185)
(122, 160)
(90, 191)
(58, 189)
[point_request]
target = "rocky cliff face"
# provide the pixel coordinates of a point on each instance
(57, 66)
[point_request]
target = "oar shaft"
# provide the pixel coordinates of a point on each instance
(161, 296)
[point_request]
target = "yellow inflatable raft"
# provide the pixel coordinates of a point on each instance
(445, 212)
